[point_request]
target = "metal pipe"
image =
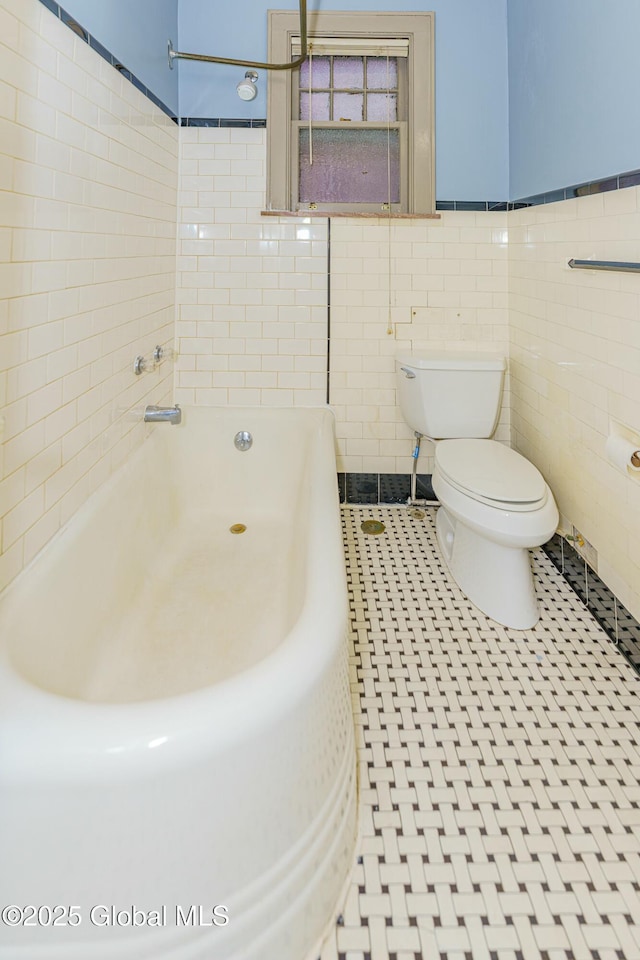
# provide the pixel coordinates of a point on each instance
(414, 470)
(178, 55)
(621, 265)
(154, 414)
(413, 501)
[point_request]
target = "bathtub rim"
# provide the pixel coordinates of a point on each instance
(173, 729)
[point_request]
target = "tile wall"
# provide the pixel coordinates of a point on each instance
(575, 367)
(448, 289)
(252, 290)
(88, 186)
(253, 296)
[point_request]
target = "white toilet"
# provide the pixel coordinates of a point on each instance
(495, 505)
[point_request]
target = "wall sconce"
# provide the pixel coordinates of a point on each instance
(247, 89)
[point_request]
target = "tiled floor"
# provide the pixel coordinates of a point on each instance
(499, 769)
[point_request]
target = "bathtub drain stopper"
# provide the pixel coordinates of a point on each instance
(237, 528)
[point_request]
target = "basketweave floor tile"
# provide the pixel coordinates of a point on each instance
(499, 769)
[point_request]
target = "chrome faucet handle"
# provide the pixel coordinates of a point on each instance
(159, 355)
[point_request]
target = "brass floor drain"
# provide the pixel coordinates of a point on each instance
(416, 513)
(238, 528)
(373, 527)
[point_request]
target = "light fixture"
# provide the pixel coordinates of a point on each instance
(247, 89)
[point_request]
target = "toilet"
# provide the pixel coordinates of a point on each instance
(494, 504)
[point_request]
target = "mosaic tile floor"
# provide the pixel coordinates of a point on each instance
(499, 769)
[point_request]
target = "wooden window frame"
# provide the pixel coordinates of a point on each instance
(417, 184)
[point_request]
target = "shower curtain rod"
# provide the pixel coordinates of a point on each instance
(177, 55)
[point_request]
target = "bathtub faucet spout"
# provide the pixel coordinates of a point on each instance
(153, 414)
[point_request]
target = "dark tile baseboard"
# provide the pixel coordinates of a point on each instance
(621, 627)
(387, 488)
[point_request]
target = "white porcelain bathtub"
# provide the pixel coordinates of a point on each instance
(175, 724)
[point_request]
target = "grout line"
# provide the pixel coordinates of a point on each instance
(328, 309)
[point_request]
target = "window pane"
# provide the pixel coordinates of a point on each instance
(349, 166)
(381, 77)
(319, 73)
(319, 106)
(348, 73)
(382, 106)
(348, 106)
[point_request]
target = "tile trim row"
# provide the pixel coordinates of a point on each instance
(473, 205)
(382, 488)
(617, 622)
(259, 123)
(620, 181)
(113, 61)
(631, 178)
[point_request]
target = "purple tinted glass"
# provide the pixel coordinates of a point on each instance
(320, 73)
(348, 73)
(349, 166)
(319, 106)
(382, 106)
(379, 75)
(348, 106)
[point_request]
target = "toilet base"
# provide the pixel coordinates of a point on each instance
(496, 578)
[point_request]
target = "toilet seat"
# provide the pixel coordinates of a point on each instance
(491, 473)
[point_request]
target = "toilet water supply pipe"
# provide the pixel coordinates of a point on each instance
(413, 502)
(414, 468)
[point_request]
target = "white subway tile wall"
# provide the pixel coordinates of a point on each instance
(252, 290)
(253, 297)
(575, 367)
(88, 191)
(408, 284)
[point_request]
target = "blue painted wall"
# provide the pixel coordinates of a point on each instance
(530, 96)
(472, 150)
(574, 75)
(135, 31)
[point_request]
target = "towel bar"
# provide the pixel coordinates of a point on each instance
(621, 265)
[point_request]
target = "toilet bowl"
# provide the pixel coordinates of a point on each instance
(495, 504)
(494, 491)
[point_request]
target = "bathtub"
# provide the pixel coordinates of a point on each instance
(177, 773)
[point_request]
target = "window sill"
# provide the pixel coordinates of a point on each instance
(351, 216)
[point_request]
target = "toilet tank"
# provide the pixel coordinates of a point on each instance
(446, 395)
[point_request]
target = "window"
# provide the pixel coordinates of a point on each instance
(351, 130)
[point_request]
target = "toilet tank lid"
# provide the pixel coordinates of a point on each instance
(451, 360)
